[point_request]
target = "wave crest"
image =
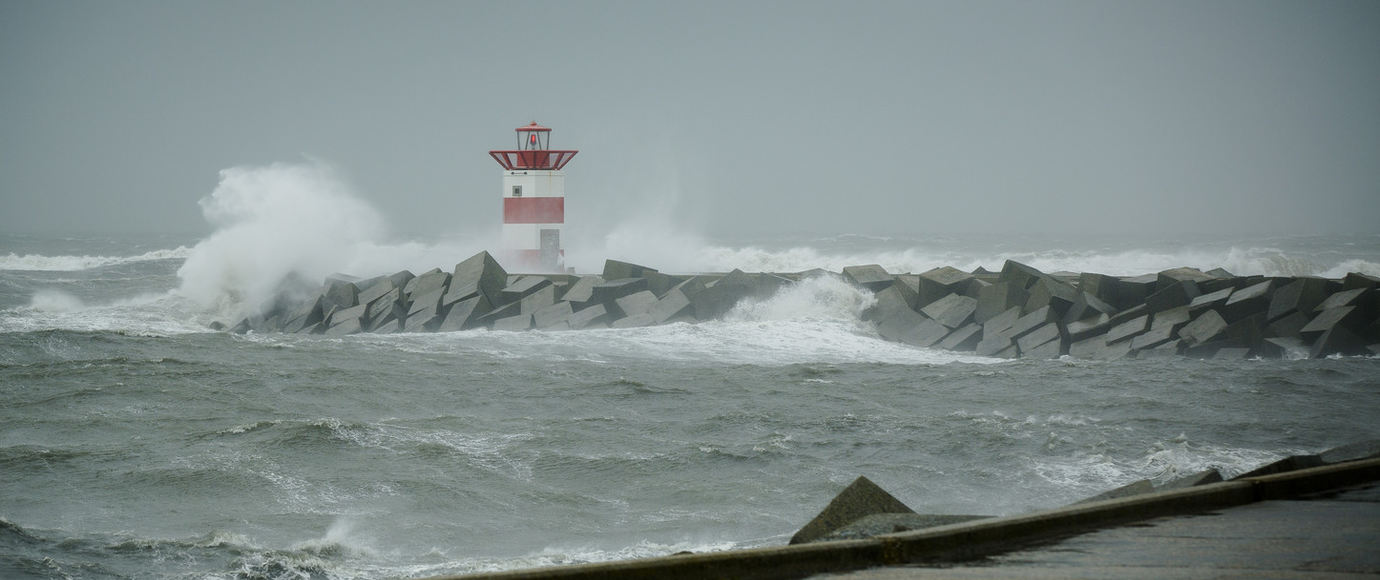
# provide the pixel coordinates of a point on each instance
(41, 263)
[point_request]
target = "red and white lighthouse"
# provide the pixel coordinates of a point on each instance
(533, 200)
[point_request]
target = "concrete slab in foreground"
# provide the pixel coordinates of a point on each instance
(1270, 526)
(1330, 535)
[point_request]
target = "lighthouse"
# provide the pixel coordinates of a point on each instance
(533, 200)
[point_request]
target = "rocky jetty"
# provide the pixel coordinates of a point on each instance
(1017, 312)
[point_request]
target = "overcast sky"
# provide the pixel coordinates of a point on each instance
(763, 117)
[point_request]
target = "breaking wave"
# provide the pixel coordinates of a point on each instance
(281, 229)
(41, 263)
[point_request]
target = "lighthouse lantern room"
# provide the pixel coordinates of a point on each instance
(533, 199)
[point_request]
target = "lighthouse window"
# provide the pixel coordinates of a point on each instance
(517, 191)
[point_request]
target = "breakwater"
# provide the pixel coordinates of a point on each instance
(1016, 312)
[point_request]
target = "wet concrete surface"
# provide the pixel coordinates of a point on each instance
(1329, 535)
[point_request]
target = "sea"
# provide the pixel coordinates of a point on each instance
(135, 442)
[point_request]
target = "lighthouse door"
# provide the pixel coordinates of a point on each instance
(550, 250)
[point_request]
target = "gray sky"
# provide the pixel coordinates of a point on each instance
(760, 117)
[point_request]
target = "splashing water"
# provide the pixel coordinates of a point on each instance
(815, 298)
(277, 226)
(281, 229)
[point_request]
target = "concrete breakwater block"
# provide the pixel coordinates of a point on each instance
(1133, 290)
(385, 305)
(1291, 463)
(952, 311)
(1100, 286)
(1017, 312)
(1021, 275)
(998, 298)
(1035, 319)
(1087, 306)
(615, 270)
(635, 303)
(554, 316)
(514, 323)
(898, 323)
(426, 283)
(1128, 329)
(943, 281)
(722, 295)
(377, 288)
(306, 316)
(870, 276)
(478, 275)
(595, 316)
(1204, 328)
(582, 291)
(611, 290)
(1175, 293)
(465, 314)
(1088, 327)
(1057, 295)
(1351, 452)
(425, 313)
(1247, 301)
(860, 499)
(963, 339)
(522, 287)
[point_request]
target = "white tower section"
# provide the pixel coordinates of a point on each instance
(536, 210)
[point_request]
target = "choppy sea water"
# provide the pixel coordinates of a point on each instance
(134, 443)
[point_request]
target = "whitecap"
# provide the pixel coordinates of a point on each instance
(39, 262)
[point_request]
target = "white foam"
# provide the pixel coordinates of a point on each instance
(1178, 457)
(274, 225)
(1348, 266)
(38, 262)
(340, 539)
(813, 321)
(814, 298)
(281, 229)
(1082, 474)
(147, 314)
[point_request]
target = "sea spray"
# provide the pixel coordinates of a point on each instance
(282, 228)
(277, 226)
(655, 242)
(815, 298)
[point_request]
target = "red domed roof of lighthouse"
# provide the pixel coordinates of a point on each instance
(533, 127)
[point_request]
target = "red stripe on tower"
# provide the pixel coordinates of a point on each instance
(534, 210)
